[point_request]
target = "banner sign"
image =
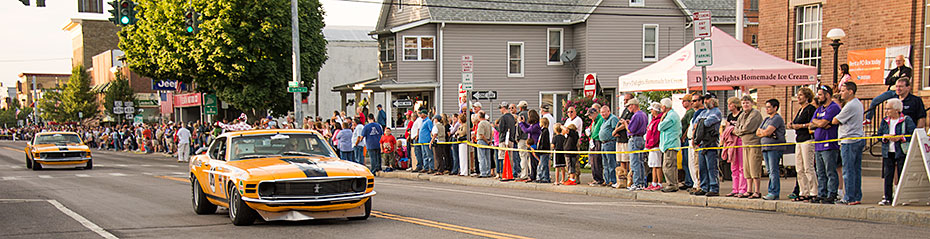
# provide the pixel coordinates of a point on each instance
(168, 85)
(187, 100)
(147, 99)
(870, 66)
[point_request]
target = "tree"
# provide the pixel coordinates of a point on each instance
(119, 90)
(76, 98)
(50, 106)
(242, 52)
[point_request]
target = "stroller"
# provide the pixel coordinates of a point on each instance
(403, 162)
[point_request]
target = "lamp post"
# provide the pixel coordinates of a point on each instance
(836, 34)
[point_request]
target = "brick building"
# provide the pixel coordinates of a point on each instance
(44, 81)
(90, 37)
(796, 30)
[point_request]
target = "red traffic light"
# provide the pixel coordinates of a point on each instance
(124, 4)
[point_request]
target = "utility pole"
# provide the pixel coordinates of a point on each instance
(35, 99)
(295, 43)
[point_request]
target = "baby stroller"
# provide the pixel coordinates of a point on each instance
(403, 162)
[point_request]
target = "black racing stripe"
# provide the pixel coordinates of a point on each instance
(215, 197)
(309, 168)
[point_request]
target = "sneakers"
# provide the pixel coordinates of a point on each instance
(867, 122)
(654, 188)
(669, 190)
(699, 192)
(884, 203)
(570, 182)
(842, 202)
(828, 201)
(634, 188)
(615, 185)
(816, 200)
(770, 197)
(712, 194)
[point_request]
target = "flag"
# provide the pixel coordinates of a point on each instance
(18, 111)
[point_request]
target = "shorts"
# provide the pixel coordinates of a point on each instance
(624, 158)
(573, 166)
(655, 159)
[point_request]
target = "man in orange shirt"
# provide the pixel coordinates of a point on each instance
(388, 150)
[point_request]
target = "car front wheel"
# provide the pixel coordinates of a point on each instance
(239, 212)
(28, 163)
(199, 199)
(90, 164)
(367, 212)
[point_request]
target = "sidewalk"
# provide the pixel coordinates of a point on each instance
(868, 211)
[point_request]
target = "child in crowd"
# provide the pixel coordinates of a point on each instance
(542, 170)
(387, 149)
(558, 144)
(571, 144)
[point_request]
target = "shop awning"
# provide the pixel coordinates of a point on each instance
(381, 85)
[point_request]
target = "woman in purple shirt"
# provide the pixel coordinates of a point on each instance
(530, 126)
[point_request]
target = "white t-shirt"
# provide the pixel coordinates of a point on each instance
(184, 136)
(415, 130)
(577, 122)
(891, 126)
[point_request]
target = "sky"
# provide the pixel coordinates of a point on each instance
(35, 42)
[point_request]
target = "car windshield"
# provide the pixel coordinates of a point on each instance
(303, 144)
(58, 139)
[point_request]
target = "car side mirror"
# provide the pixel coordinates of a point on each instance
(201, 150)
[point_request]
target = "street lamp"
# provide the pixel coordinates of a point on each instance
(835, 34)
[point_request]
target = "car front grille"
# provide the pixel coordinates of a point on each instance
(56, 155)
(311, 188)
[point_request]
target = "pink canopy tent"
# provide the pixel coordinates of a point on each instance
(735, 64)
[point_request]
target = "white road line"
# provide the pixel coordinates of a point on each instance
(118, 174)
(147, 173)
(179, 173)
(145, 165)
(120, 165)
(81, 175)
(87, 223)
(632, 204)
(9, 178)
(44, 176)
(171, 166)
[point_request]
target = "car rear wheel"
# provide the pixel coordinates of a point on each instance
(199, 199)
(90, 164)
(367, 212)
(240, 213)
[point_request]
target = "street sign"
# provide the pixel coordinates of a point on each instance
(468, 80)
(484, 95)
(137, 119)
(703, 53)
(590, 85)
(209, 104)
(297, 90)
(468, 63)
(701, 24)
(117, 110)
(403, 103)
(292, 84)
(117, 104)
(129, 110)
(127, 103)
(129, 116)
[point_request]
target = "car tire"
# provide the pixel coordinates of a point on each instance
(28, 163)
(90, 164)
(202, 206)
(35, 165)
(239, 212)
(367, 212)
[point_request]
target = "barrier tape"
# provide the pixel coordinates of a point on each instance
(651, 150)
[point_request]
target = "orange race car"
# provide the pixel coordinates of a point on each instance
(278, 175)
(58, 149)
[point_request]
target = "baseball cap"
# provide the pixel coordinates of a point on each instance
(477, 104)
(633, 101)
(687, 97)
(424, 112)
(504, 104)
(545, 107)
(709, 95)
(592, 111)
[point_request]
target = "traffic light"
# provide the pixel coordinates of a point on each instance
(114, 12)
(191, 21)
(25, 2)
(125, 7)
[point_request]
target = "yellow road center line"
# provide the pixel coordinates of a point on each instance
(446, 226)
(184, 180)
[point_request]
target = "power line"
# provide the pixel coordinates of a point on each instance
(520, 10)
(34, 60)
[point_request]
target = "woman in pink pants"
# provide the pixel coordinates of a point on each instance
(734, 156)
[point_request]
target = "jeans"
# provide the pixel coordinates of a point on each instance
(707, 162)
(428, 158)
(772, 160)
(375, 160)
(484, 163)
(515, 161)
(609, 162)
(827, 180)
(542, 170)
(418, 150)
(359, 154)
(877, 101)
(636, 161)
(597, 168)
(347, 155)
(455, 158)
(684, 164)
(890, 165)
(852, 170)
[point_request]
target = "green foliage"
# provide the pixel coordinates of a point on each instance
(50, 106)
(76, 97)
(645, 98)
(119, 90)
(9, 118)
(242, 52)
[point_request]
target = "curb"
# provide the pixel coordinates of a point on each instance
(858, 213)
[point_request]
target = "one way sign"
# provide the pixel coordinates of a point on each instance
(484, 95)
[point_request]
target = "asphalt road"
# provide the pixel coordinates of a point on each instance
(128, 196)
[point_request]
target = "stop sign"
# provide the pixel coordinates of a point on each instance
(590, 84)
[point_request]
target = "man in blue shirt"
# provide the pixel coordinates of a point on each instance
(707, 159)
(372, 133)
(425, 137)
(382, 117)
(609, 143)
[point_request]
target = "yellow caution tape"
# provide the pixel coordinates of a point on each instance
(656, 149)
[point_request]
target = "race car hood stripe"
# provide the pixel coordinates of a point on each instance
(310, 168)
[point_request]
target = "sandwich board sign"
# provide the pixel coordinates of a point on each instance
(914, 184)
